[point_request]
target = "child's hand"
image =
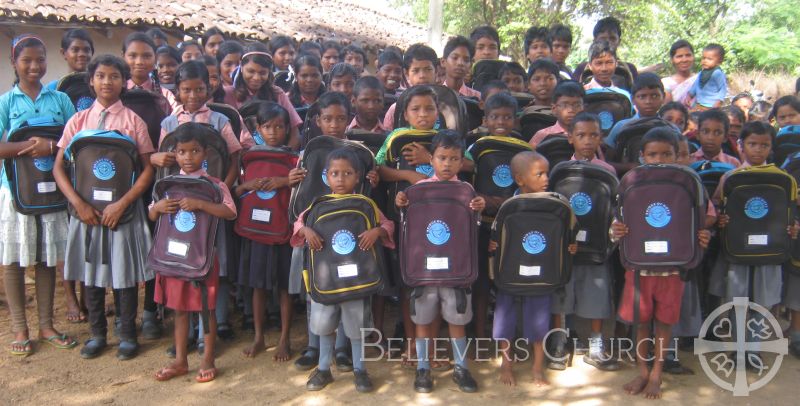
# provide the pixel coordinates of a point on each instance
(162, 159)
(253, 184)
(88, 214)
(703, 237)
(190, 204)
(793, 230)
(274, 183)
(573, 248)
(373, 178)
(40, 147)
(477, 204)
(723, 220)
(618, 230)
(401, 200)
(312, 238)
(296, 175)
(112, 213)
(168, 206)
(492, 246)
(416, 154)
(367, 239)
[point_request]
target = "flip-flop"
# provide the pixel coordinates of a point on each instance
(167, 373)
(53, 340)
(206, 375)
(26, 345)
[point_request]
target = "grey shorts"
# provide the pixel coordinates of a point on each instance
(588, 293)
(431, 300)
(354, 315)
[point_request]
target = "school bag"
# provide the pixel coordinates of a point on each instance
(485, 71)
(230, 113)
(284, 79)
(310, 129)
(787, 142)
(248, 113)
(492, 155)
(373, 141)
(523, 99)
(792, 167)
(77, 88)
(439, 236)
(761, 202)
(399, 140)
(217, 160)
(629, 138)
(104, 165)
(264, 215)
(556, 148)
(533, 232)
(183, 243)
(474, 112)
(341, 271)
(315, 183)
(591, 191)
(33, 187)
(610, 105)
(710, 173)
(622, 77)
(535, 118)
(452, 110)
(151, 107)
(663, 206)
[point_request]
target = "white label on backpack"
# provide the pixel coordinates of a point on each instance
(530, 270)
(581, 237)
(347, 271)
(46, 187)
(177, 248)
(261, 215)
(102, 195)
(437, 264)
(656, 247)
(757, 239)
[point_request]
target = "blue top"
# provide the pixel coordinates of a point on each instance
(715, 90)
(52, 85)
(611, 139)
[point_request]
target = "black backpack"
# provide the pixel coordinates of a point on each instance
(792, 167)
(533, 232)
(233, 116)
(452, 110)
(629, 138)
(284, 79)
(535, 118)
(217, 160)
(485, 71)
(492, 155)
(398, 140)
(77, 88)
(591, 190)
(787, 142)
(710, 173)
(610, 105)
(556, 148)
(151, 107)
(310, 128)
(474, 113)
(371, 140)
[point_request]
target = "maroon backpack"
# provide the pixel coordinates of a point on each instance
(439, 240)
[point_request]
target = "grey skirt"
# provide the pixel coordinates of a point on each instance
(113, 258)
(296, 285)
(767, 283)
(691, 318)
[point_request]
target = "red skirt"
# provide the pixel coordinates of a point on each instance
(178, 294)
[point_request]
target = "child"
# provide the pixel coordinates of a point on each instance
(127, 244)
(530, 174)
(603, 63)
(513, 75)
(264, 267)
(487, 42)
(211, 40)
(390, 71)
(736, 118)
(25, 243)
(419, 64)
(648, 97)
(588, 293)
(538, 45)
(229, 55)
(343, 170)
(542, 81)
(334, 114)
(77, 49)
(711, 86)
(331, 51)
(342, 78)
(745, 102)
(190, 50)
(609, 30)
(368, 102)
(561, 36)
(183, 296)
(567, 103)
(158, 37)
(282, 49)
(676, 113)
(786, 111)
(310, 48)
(661, 292)
(215, 91)
(713, 129)
(448, 152)
(139, 53)
(355, 57)
(308, 86)
(457, 60)
(167, 61)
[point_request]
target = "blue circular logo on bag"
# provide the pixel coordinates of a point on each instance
(343, 242)
(534, 242)
(425, 169)
(437, 232)
(325, 177)
(581, 203)
(83, 103)
(501, 176)
(44, 164)
(266, 195)
(657, 215)
(185, 221)
(104, 169)
(756, 208)
(606, 120)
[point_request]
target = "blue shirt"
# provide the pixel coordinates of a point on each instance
(611, 139)
(715, 90)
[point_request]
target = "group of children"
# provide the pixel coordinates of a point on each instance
(108, 247)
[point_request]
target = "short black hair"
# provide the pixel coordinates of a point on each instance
(537, 34)
(673, 105)
(138, 37)
(210, 33)
(493, 84)
(229, 47)
(157, 33)
(331, 45)
(448, 139)
(668, 135)
(107, 60)
(757, 127)
(791, 101)
(420, 52)
(76, 34)
(420, 90)
(499, 101)
(568, 88)
(192, 70)
(714, 115)
(584, 117)
(514, 68)
(389, 56)
(183, 45)
(734, 110)
(647, 80)
(561, 32)
(544, 64)
(169, 51)
(189, 132)
(345, 154)
(367, 82)
(268, 110)
(355, 49)
(599, 48)
(607, 24)
(719, 49)
(307, 46)
(456, 42)
(485, 31)
(681, 43)
(334, 99)
(279, 41)
(342, 69)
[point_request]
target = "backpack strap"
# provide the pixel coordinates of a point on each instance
(218, 120)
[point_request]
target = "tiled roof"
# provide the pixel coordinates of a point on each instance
(256, 19)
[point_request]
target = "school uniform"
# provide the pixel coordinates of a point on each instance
(791, 290)
(699, 155)
(545, 132)
(152, 86)
(378, 128)
(466, 91)
(280, 98)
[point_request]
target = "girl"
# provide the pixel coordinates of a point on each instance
(139, 52)
(211, 41)
(228, 55)
(676, 113)
(217, 94)
(330, 55)
(308, 85)
(342, 78)
(37, 241)
(677, 86)
(179, 295)
(190, 50)
(264, 267)
(282, 49)
(167, 61)
(128, 243)
(77, 49)
(786, 111)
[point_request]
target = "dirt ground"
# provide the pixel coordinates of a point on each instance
(60, 377)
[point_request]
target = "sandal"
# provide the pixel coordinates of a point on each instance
(27, 348)
(167, 373)
(58, 339)
(206, 375)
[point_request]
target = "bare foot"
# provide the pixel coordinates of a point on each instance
(254, 349)
(283, 353)
(507, 374)
(652, 390)
(539, 379)
(635, 386)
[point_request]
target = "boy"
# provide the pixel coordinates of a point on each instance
(660, 292)
(390, 71)
(567, 103)
(542, 81)
(537, 44)
(513, 75)
(355, 57)
(420, 64)
(368, 101)
(457, 60)
(713, 127)
(607, 29)
(342, 78)
(561, 37)
(711, 86)
(330, 55)
(487, 42)
(603, 62)
(448, 153)
(588, 294)
(334, 114)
